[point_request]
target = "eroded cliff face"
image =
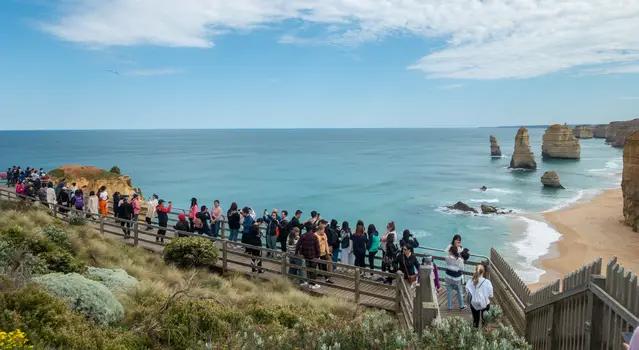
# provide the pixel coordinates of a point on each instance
(495, 151)
(522, 157)
(618, 132)
(583, 132)
(90, 178)
(600, 131)
(630, 181)
(559, 142)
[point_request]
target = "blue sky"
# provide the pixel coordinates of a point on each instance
(311, 63)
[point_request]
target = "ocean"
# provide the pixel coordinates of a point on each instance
(374, 175)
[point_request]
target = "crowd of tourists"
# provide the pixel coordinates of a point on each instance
(306, 241)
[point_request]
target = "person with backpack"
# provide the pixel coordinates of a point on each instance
(360, 242)
(480, 290)
(333, 233)
(78, 200)
(373, 245)
(192, 211)
(346, 252)
(64, 200)
(42, 195)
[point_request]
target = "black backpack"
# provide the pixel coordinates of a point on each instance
(333, 236)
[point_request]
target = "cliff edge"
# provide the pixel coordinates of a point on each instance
(89, 178)
(630, 181)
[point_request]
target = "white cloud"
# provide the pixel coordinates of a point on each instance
(628, 98)
(153, 72)
(489, 39)
(450, 86)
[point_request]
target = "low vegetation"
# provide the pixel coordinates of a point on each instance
(69, 287)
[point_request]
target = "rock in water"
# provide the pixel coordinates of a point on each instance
(630, 181)
(559, 142)
(488, 209)
(495, 151)
(523, 158)
(600, 132)
(483, 188)
(461, 206)
(583, 132)
(618, 132)
(551, 179)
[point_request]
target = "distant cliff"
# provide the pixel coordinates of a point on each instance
(583, 132)
(559, 142)
(618, 132)
(600, 131)
(522, 157)
(90, 178)
(630, 181)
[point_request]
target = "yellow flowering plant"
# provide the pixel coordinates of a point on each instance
(14, 340)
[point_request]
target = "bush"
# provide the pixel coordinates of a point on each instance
(14, 340)
(116, 280)
(83, 295)
(58, 236)
(458, 333)
(77, 220)
(190, 252)
(115, 170)
(61, 261)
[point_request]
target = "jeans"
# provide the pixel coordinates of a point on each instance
(271, 240)
(310, 273)
(161, 232)
(335, 257)
(233, 235)
(477, 314)
(135, 217)
(216, 228)
(293, 271)
(371, 259)
(449, 294)
(360, 260)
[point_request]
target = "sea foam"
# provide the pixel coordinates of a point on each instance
(492, 200)
(538, 236)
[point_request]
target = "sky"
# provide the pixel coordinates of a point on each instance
(201, 64)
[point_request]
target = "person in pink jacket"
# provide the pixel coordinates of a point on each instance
(20, 188)
(192, 211)
(135, 202)
(216, 218)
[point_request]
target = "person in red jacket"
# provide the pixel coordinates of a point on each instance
(308, 247)
(163, 218)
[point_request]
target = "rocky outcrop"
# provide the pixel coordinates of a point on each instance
(90, 178)
(618, 132)
(488, 209)
(461, 206)
(551, 179)
(583, 132)
(522, 157)
(600, 132)
(495, 151)
(630, 181)
(559, 142)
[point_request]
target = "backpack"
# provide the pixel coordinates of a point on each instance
(345, 242)
(479, 301)
(79, 202)
(333, 238)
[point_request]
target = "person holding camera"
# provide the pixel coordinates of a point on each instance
(163, 219)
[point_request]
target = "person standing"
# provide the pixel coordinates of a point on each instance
(73, 187)
(247, 221)
(293, 238)
(116, 203)
(78, 200)
(193, 209)
(163, 219)
(216, 218)
(389, 250)
(454, 270)
(428, 261)
(480, 290)
(151, 212)
(64, 200)
(360, 242)
(324, 252)
(272, 230)
(308, 246)
(51, 198)
(406, 262)
(125, 214)
(373, 245)
(253, 237)
(345, 244)
(42, 195)
(333, 231)
(283, 230)
(9, 177)
(92, 206)
(205, 218)
(295, 221)
(135, 203)
(234, 217)
(408, 238)
(58, 187)
(103, 196)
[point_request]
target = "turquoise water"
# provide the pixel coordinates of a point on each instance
(406, 175)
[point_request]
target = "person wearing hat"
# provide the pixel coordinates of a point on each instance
(182, 225)
(64, 199)
(163, 219)
(135, 202)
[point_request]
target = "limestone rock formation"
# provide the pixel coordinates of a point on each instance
(559, 142)
(630, 181)
(618, 132)
(495, 151)
(523, 158)
(600, 131)
(488, 209)
(90, 178)
(461, 206)
(551, 179)
(583, 132)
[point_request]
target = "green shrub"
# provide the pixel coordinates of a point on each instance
(57, 173)
(61, 261)
(16, 237)
(190, 252)
(115, 169)
(58, 236)
(457, 333)
(117, 280)
(77, 220)
(83, 295)
(494, 315)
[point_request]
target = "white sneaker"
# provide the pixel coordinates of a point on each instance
(303, 284)
(314, 286)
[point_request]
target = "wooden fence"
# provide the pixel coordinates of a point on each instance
(510, 291)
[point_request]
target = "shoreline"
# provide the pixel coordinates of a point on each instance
(589, 230)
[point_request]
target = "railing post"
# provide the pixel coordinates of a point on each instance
(136, 233)
(224, 255)
(398, 294)
(357, 285)
(595, 316)
(222, 228)
(102, 224)
(283, 262)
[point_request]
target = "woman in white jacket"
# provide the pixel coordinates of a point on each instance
(51, 195)
(92, 207)
(151, 212)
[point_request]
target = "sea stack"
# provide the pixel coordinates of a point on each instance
(523, 158)
(583, 131)
(618, 132)
(495, 151)
(551, 179)
(600, 132)
(559, 142)
(630, 181)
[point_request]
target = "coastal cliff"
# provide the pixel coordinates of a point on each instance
(559, 142)
(618, 132)
(522, 157)
(583, 132)
(495, 151)
(630, 181)
(600, 132)
(90, 178)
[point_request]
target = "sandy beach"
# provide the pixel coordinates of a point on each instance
(589, 231)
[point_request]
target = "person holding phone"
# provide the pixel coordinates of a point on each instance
(163, 219)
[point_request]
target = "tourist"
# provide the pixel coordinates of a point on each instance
(253, 237)
(346, 252)
(389, 249)
(182, 226)
(463, 252)
(135, 203)
(42, 195)
(193, 209)
(324, 250)
(373, 245)
(428, 261)
(51, 198)
(247, 221)
(295, 221)
(293, 238)
(308, 246)
(333, 233)
(233, 216)
(216, 218)
(125, 214)
(78, 200)
(103, 196)
(163, 219)
(205, 218)
(64, 200)
(284, 229)
(480, 290)
(73, 188)
(92, 207)
(42, 172)
(151, 212)
(408, 238)
(20, 188)
(360, 243)
(9, 177)
(454, 270)
(30, 191)
(58, 187)
(406, 262)
(272, 230)
(315, 218)
(116, 203)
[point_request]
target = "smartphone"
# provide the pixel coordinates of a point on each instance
(626, 336)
